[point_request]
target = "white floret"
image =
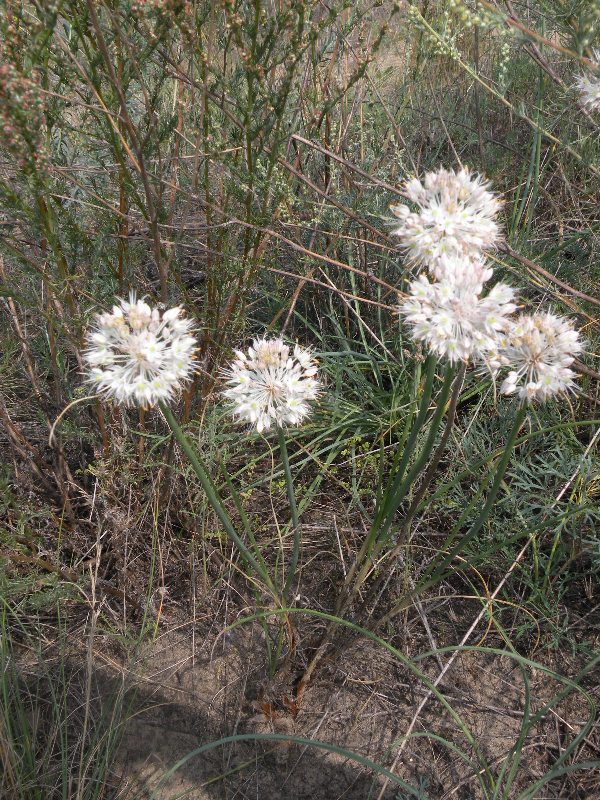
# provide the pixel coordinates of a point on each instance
(269, 385)
(454, 225)
(138, 356)
(540, 348)
(455, 322)
(588, 85)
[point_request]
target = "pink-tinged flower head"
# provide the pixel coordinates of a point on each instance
(454, 225)
(455, 322)
(271, 384)
(540, 349)
(138, 355)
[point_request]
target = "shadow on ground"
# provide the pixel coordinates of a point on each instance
(184, 703)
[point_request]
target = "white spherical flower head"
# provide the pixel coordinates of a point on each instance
(454, 224)
(272, 385)
(138, 356)
(588, 86)
(540, 349)
(455, 322)
(470, 273)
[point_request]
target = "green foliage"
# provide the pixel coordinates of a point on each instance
(59, 728)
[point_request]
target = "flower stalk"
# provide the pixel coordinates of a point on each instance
(425, 481)
(400, 469)
(400, 487)
(214, 499)
(392, 499)
(435, 571)
(289, 482)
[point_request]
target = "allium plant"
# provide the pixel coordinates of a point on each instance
(541, 348)
(138, 355)
(271, 385)
(454, 225)
(454, 321)
(457, 323)
(588, 85)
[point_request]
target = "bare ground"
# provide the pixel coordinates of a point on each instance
(195, 693)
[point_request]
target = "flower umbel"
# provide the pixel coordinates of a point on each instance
(455, 321)
(270, 385)
(454, 225)
(540, 348)
(589, 86)
(138, 355)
